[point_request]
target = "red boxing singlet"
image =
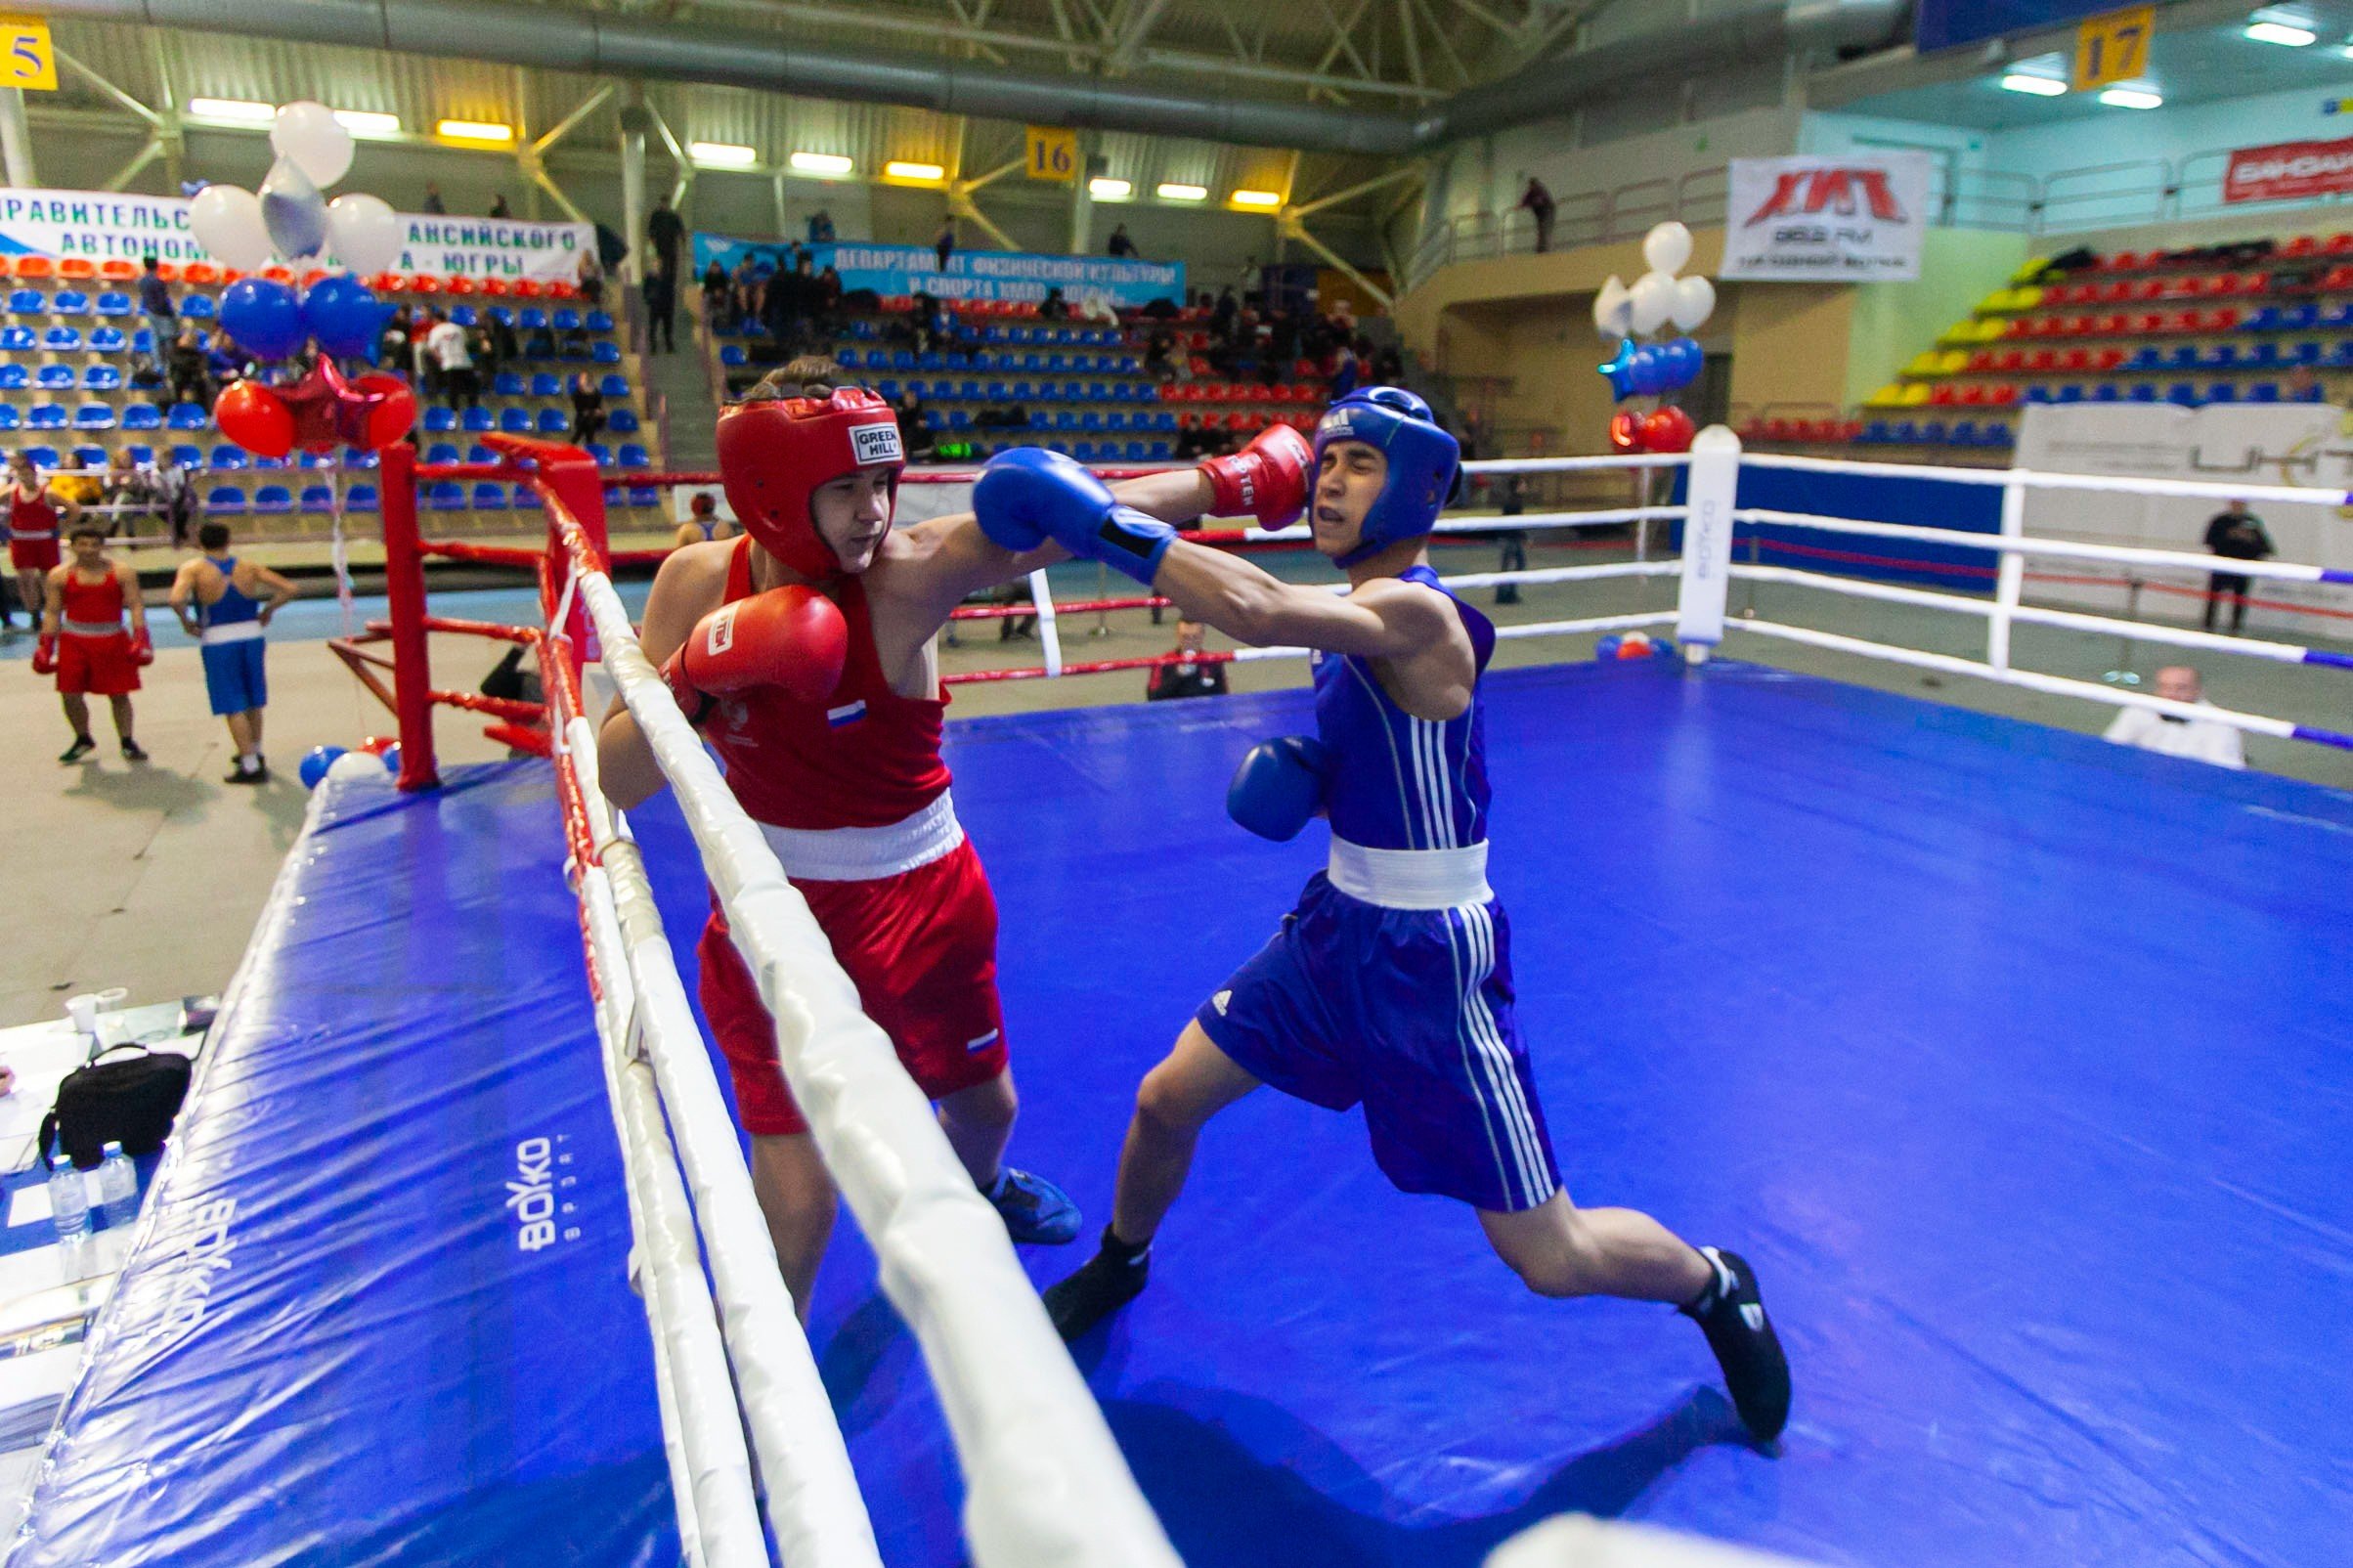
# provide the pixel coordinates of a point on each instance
(92, 609)
(33, 516)
(867, 758)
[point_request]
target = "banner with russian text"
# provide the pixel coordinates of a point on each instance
(109, 226)
(1854, 219)
(2289, 171)
(899, 269)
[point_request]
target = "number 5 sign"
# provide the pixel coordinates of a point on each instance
(2112, 48)
(27, 59)
(1053, 152)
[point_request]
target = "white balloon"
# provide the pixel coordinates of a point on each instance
(1613, 311)
(311, 135)
(1694, 302)
(1652, 297)
(363, 233)
(293, 212)
(226, 220)
(1667, 247)
(356, 765)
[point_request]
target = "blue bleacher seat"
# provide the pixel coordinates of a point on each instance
(109, 340)
(552, 422)
(360, 497)
(633, 455)
(2069, 394)
(934, 419)
(847, 359)
(878, 359)
(614, 385)
(2105, 392)
(19, 339)
(525, 501)
(490, 497)
(2266, 319)
(2263, 392)
(62, 339)
(102, 379)
(1090, 420)
(2265, 353)
(516, 421)
(476, 422)
(2221, 357)
(198, 307)
(2303, 353)
(2141, 392)
(2300, 317)
(141, 417)
(532, 319)
(622, 422)
(733, 356)
(27, 302)
(603, 352)
(273, 499)
(228, 456)
(42, 457)
(887, 387)
(602, 453)
(547, 384)
(442, 452)
(440, 420)
(601, 320)
(90, 456)
(187, 456)
(113, 302)
(1066, 420)
(960, 418)
(54, 378)
(500, 313)
(269, 463)
(225, 499)
(47, 416)
(186, 417)
(141, 454)
(2148, 357)
(143, 342)
(12, 419)
(446, 495)
(565, 320)
(509, 384)
(2221, 392)
(318, 498)
(70, 302)
(15, 377)
(463, 315)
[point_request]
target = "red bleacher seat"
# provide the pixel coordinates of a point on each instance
(2252, 283)
(2010, 361)
(2107, 359)
(77, 266)
(495, 288)
(2220, 320)
(2149, 288)
(2146, 323)
(424, 283)
(1944, 397)
(2003, 396)
(2181, 321)
(4, 266)
(35, 267)
(278, 275)
(459, 286)
(386, 282)
(2079, 326)
(230, 274)
(1981, 361)
(314, 276)
(1972, 397)
(2339, 275)
(2302, 244)
(2116, 293)
(2117, 326)
(2042, 360)
(118, 269)
(2123, 261)
(563, 289)
(2338, 245)
(200, 272)
(2075, 360)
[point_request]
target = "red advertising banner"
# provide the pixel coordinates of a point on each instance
(2289, 171)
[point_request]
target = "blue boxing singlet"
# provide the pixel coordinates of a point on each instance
(235, 606)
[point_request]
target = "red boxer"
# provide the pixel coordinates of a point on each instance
(87, 644)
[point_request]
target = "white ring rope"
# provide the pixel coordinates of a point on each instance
(2067, 549)
(1046, 1485)
(2036, 479)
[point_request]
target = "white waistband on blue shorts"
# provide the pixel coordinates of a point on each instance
(1411, 879)
(867, 854)
(233, 631)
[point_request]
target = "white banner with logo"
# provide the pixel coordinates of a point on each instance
(105, 225)
(2299, 444)
(1855, 219)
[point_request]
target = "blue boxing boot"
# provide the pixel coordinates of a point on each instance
(1034, 1210)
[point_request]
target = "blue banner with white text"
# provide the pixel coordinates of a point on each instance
(896, 269)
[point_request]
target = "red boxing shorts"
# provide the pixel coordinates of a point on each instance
(38, 554)
(97, 667)
(921, 946)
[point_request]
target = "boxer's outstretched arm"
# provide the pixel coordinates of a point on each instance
(689, 585)
(1386, 618)
(956, 560)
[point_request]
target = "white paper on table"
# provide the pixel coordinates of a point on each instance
(28, 1205)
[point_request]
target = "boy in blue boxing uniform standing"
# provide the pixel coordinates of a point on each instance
(1390, 981)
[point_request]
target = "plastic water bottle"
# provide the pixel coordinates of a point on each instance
(117, 1189)
(69, 1200)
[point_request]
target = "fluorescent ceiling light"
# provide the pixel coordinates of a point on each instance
(1256, 198)
(1103, 188)
(2131, 98)
(2281, 33)
(1167, 191)
(366, 122)
(475, 131)
(722, 154)
(900, 169)
(2018, 81)
(238, 109)
(821, 163)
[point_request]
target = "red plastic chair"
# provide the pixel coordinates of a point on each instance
(278, 275)
(2042, 362)
(494, 287)
(35, 267)
(77, 266)
(2107, 359)
(464, 286)
(2004, 396)
(119, 268)
(2338, 245)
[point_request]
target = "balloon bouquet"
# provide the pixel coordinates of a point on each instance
(291, 221)
(1623, 315)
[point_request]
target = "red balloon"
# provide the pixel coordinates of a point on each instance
(255, 418)
(1668, 429)
(378, 745)
(1626, 430)
(1635, 646)
(390, 412)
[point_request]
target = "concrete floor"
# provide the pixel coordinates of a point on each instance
(151, 875)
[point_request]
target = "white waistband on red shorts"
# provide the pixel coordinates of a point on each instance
(1411, 879)
(92, 628)
(233, 631)
(867, 854)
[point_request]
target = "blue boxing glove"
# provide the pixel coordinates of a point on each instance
(1029, 495)
(1279, 788)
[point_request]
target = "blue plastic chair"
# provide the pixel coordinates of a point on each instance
(14, 378)
(446, 495)
(622, 422)
(186, 417)
(318, 498)
(12, 419)
(548, 384)
(360, 497)
(565, 320)
(516, 421)
(462, 315)
(633, 455)
(54, 378)
(113, 302)
(509, 384)
(601, 320)
(187, 456)
(27, 302)
(102, 379)
(600, 454)
(500, 314)
(477, 421)
(551, 422)
(19, 339)
(109, 340)
(2141, 392)
(62, 339)
(442, 452)
(532, 319)
(198, 307)
(273, 499)
(47, 416)
(70, 302)
(615, 386)
(733, 356)
(439, 420)
(490, 497)
(229, 457)
(2221, 392)
(225, 499)
(141, 453)
(604, 351)
(141, 417)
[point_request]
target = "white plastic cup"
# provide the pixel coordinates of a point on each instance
(82, 1012)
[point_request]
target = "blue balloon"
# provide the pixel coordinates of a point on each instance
(1682, 359)
(1648, 373)
(1607, 648)
(314, 763)
(392, 757)
(1621, 370)
(342, 315)
(264, 317)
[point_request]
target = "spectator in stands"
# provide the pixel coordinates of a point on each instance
(1160, 357)
(829, 300)
(944, 245)
(498, 207)
(590, 278)
(171, 492)
(226, 361)
(504, 347)
(661, 294)
(1122, 245)
(820, 228)
(1221, 314)
(156, 303)
(792, 304)
(1346, 371)
(912, 429)
(1094, 307)
(123, 487)
(74, 482)
(424, 368)
(2207, 740)
(703, 522)
(715, 286)
(745, 291)
(588, 409)
(667, 232)
(483, 344)
(185, 366)
(2235, 534)
(433, 202)
(1540, 204)
(447, 344)
(1186, 678)
(1054, 308)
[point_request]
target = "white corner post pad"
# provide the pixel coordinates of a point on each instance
(1707, 542)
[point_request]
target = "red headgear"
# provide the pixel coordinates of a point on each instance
(773, 454)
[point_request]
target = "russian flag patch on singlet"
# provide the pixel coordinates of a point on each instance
(847, 713)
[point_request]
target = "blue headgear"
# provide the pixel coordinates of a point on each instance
(1422, 458)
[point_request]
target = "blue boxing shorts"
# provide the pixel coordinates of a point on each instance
(234, 677)
(1408, 1011)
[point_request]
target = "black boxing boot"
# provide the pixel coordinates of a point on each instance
(1731, 1314)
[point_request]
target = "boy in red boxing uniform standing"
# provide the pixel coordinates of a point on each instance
(87, 645)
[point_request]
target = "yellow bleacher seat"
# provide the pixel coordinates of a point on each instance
(1889, 395)
(1952, 362)
(1928, 361)
(1914, 396)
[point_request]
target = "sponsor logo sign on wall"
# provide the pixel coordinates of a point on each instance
(1851, 218)
(2289, 171)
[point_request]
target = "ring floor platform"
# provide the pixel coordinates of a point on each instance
(2013, 1060)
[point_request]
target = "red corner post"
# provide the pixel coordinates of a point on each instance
(568, 475)
(405, 595)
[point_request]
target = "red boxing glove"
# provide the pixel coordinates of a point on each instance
(790, 637)
(1268, 479)
(143, 650)
(45, 654)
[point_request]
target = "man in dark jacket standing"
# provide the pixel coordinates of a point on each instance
(2235, 534)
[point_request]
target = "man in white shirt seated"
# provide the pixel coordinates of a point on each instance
(2209, 740)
